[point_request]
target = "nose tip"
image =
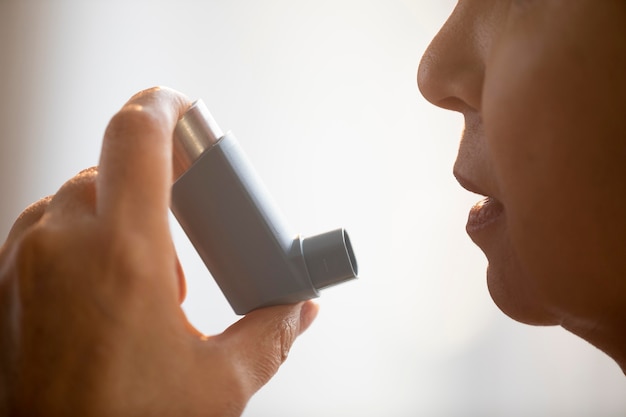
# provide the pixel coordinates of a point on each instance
(426, 81)
(450, 73)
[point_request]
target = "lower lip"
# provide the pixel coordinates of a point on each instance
(484, 214)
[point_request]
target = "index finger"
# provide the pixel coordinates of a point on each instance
(135, 171)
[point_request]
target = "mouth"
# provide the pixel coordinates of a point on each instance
(484, 213)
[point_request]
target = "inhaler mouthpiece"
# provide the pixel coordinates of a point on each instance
(237, 229)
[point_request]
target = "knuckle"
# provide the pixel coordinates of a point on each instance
(35, 243)
(81, 187)
(35, 253)
(148, 92)
(130, 122)
(278, 344)
(131, 119)
(35, 209)
(28, 218)
(286, 334)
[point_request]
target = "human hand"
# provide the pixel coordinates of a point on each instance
(90, 292)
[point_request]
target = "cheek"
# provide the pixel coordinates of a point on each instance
(560, 173)
(535, 161)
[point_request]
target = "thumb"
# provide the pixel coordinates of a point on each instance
(260, 342)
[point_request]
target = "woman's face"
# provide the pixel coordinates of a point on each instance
(541, 84)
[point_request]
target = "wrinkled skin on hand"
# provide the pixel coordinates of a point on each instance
(90, 292)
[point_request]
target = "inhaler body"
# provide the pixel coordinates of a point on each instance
(238, 231)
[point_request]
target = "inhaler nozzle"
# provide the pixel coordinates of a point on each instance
(329, 258)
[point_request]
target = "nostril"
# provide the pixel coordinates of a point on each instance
(451, 83)
(438, 75)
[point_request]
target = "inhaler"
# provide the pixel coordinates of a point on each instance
(236, 228)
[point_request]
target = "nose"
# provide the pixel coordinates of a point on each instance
(450, 74)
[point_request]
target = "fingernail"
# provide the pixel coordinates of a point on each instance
(308, 312)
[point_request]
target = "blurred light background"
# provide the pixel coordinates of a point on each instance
(322, 96)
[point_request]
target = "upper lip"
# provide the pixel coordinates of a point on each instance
(469, 185)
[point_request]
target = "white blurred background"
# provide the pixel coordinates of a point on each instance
(322, 96)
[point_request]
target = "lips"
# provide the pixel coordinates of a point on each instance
(483, 214)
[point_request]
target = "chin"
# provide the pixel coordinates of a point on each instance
(510, 289)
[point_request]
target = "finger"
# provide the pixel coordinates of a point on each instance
(135, 173)
(182, 282)
(27, 218)
(76, 197)
(260, 342)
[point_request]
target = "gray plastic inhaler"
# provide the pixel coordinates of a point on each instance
(239, 233)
